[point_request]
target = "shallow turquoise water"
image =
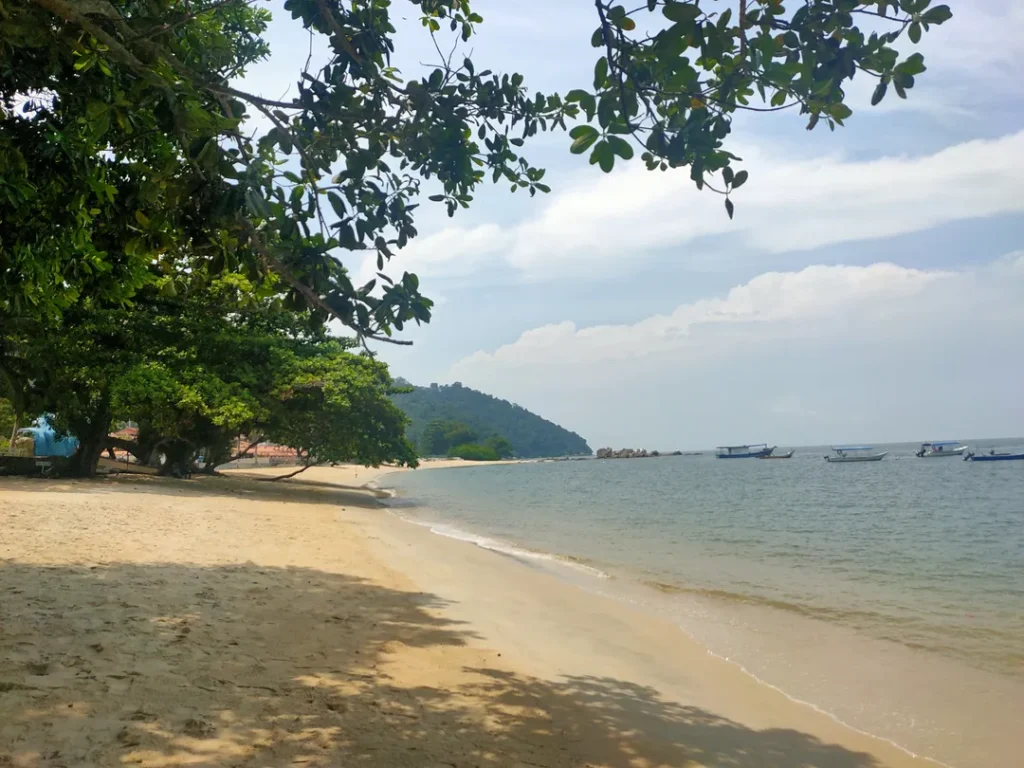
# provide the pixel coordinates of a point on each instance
(914, 566)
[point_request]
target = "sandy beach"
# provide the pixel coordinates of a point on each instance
(232, 622)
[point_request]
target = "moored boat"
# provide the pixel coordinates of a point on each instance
(756, 451)
(941, 449)
(845, 454)
(993, 456)
(778, 455)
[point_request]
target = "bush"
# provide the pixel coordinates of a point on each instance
(473, 452)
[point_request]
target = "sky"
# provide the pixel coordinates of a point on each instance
(869, 289)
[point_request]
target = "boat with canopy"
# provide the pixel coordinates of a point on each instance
(756, 451)
(940, 449)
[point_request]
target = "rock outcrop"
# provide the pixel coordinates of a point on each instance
(630, 453)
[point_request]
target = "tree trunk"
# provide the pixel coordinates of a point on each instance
(92, 437)
(178, 459)
(87, 458)
(130, 446)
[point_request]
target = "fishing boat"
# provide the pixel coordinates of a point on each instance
(756, 451)
(778, 455)
(844, 454)
(940, 449)
(993, 456)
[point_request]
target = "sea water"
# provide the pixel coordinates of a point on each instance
(889, 595)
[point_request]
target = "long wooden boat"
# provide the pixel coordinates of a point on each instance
(993, 456)
(848, 454)
(778, 455)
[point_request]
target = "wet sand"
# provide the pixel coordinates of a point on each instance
(226, 621)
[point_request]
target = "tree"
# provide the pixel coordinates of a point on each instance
(502, 448)
(473, 452)
(8, 420)
(197, 368)
(132, 173)
(441, 434)
(138, 98)
(122, 139)
(673, 92)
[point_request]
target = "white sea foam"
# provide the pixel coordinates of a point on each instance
(505, 548)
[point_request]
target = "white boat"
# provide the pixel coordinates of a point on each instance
(854, 453)
(940, 449)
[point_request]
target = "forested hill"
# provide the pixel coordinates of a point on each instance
(530, 435)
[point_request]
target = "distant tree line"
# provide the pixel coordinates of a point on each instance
(444, 417)
(456, 440)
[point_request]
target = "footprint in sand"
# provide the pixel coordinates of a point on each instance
(198, 728)
(38, 668)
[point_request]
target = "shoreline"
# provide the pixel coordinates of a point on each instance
(525, 558)
(530, 558)
(172, 622)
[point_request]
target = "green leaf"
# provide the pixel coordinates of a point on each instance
(740, 179)
(729, 207)
(589, 104)
(584, 141)
(606, 110)
(879, 93)
(257, 204)
(621, 147)
(679, 11)
(727, 174)
(601, 73)
(603, 156)
(583, 130)
(337, 204)
(142, 219)
(627, 24)
(937, 15)
(839, 111)
(914, 65)
(438, 198)
(914, 32)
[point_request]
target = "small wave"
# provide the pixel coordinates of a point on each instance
(510, 550)
(850, 615)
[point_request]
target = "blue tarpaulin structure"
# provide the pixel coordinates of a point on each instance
(46, 441)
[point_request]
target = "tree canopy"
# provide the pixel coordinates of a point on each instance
(197, 369)
(134, 169)
(125, 139)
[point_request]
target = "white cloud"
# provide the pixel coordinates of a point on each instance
(451, 252)
(598, 225)
(827, 352)
(769, 301)
(789, 204)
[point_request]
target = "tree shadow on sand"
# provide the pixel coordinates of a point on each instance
(242, 665)
(235, 486)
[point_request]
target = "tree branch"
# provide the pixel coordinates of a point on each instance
(336, 28)
(616, 70)
(292, 474)
(243, 454)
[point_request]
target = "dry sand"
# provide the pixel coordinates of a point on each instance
(230, 622)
